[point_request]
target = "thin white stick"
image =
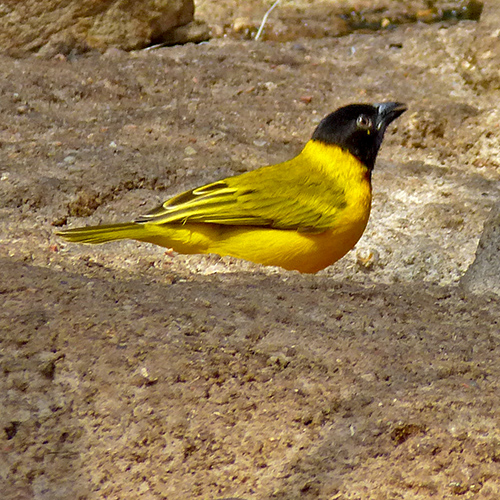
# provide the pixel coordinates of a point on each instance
(264, 19)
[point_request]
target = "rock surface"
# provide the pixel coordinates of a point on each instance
(483, 276)
(49, 27)
(128, 372)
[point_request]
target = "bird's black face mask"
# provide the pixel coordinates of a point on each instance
(359, 128)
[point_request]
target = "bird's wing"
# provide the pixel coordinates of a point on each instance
(277, 196)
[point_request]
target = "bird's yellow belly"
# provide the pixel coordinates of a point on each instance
(293, 250)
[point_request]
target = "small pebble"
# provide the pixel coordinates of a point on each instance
(367, 258)
(69, 160)
(114, 52)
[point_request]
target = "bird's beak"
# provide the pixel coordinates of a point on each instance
(388, 112)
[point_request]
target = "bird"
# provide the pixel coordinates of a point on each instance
(303, 214)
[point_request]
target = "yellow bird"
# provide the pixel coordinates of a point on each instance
(303, 214)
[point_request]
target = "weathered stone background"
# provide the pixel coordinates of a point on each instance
(130, 373)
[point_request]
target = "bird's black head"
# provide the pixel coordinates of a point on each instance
(359, 128)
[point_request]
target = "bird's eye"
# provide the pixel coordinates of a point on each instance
(363, 122)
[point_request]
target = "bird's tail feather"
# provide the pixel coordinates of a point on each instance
(102, 234)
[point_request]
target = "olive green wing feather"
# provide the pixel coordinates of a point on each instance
(277, 196)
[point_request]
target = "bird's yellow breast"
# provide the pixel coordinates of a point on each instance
(338, 167)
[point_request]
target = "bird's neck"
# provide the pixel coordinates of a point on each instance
(336, 163)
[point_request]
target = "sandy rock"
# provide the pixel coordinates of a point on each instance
(481, 65)
(484, 273)
(130, 372)
(483, 276)
(50, 27)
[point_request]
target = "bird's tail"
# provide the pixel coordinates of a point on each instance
(102, 234)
